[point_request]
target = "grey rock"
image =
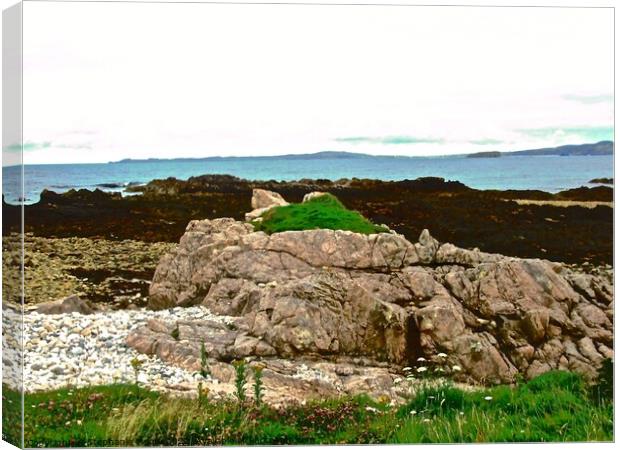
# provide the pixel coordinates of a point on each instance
(68, 305)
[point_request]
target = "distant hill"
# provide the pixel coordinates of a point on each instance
(600, 148)
(485, 155)
(305, 156)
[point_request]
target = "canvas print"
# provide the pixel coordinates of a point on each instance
(284, 224)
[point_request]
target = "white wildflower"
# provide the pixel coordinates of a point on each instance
(488, 398)
(442, 355)
(426, 420)
(421, 369)
(371, 409)
(421, 359)
(456, 368)
(413, 412)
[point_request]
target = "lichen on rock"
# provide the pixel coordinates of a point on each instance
(327, 294)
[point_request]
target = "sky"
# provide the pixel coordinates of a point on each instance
(108, 81)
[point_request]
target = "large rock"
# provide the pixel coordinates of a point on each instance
(326, 294)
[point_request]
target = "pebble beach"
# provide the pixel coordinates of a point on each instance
(83, 350)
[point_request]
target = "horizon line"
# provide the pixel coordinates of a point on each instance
(342, 152)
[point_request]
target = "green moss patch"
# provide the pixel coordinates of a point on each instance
(324, 212)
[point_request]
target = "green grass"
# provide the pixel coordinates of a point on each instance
(324, 212)
(76, 417)
(11, 416)
(557, 406)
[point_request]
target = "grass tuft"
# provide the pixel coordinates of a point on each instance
(324, 212)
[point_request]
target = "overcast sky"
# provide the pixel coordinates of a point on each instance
(110, 81)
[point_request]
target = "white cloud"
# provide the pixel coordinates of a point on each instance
(163, 80)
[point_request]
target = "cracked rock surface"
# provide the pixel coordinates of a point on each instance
(376, 300)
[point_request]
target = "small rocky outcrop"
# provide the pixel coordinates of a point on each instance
(68, 305)
(311, 195)
(378, 299)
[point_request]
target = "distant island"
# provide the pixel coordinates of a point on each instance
(318, 155)
(485, 155)
(599, 148)
(602, 181)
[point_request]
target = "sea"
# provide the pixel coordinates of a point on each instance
(546, 173)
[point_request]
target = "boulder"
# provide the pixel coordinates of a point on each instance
(68, 305)
(263, 201)
(327, 295)
(262, 198)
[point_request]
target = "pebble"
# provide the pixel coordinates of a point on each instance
(84, 350)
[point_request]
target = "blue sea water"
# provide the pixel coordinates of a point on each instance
(547, 173)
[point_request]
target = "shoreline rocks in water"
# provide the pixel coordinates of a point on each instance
(454, 212)
(330, 294)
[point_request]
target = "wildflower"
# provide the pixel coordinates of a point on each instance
(421, 359)
(413, 412)
(371, 409)
(456, 368)
(488, 398)
(426, 420)
(442, 355)
(397, 380)
(421, 369)
(67, 423)
(79, 422)
(461, 413)
(406, 369)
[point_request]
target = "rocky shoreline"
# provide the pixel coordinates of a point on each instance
(489, 220)
(75, 350)
(322, 312)
(113, 274)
